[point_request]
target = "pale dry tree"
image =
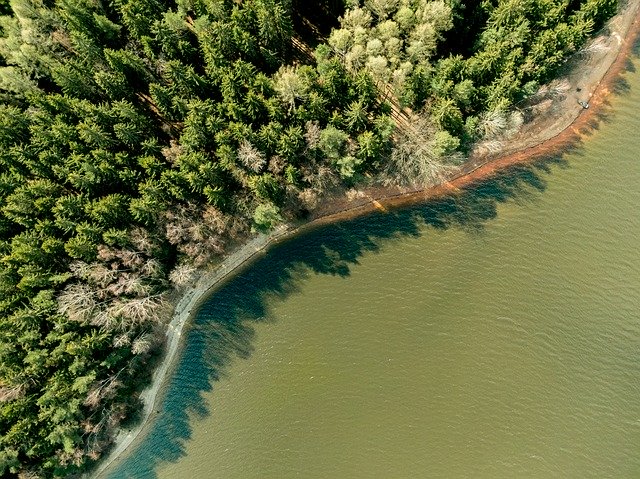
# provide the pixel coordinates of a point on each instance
(354, 194)
(103, 389)
(142, 241)
(79, 269)
(106, 318)
(93, 452)
(10, 393)
(290, 86)
(277, 164)
(124, 257)
(488, 147)
(29, 474)
(198, 233)
(515, 122)
(116, 312)
(498, 123)
(151, 268)
(105, 253)
(308, 197)
(78, 302)
(121, 272)
(121, 340)
(417, 157)
(211, 241)
(216, 220)
(100, 275)
(493, 123)
(182, 275)
(137, 311)
(323, 179)
(174, 230)
(238, 227)
(250, 157)
(97, 433)
(312, 134)
(172, 152)
(142, 344)
(197, 253)
(129, 284)
(201, 233)
(74, 456)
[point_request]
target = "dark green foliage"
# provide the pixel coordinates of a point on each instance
(524, 43)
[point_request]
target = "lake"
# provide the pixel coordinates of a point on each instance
(494, 334)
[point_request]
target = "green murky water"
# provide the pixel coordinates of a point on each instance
(492, 335)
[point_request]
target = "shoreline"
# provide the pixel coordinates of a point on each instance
(562, 124)
(550, 134)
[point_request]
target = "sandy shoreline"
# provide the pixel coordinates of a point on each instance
(589, 77)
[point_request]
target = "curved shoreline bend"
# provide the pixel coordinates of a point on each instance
(562, 123)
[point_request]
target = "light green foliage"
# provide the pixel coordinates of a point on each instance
(341, 40)
(332, 141)
(382, 8)
(348, 166)
(445, 144)
(291, 86)
(405, 17)
(356, 18)
(266, 216)
(520, 46)
(400, 31)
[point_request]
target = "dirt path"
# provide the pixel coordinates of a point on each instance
(558, 120)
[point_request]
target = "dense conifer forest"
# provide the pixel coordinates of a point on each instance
(140, 138)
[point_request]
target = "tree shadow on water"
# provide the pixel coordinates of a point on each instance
(223, 330)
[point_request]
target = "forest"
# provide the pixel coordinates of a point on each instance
(141, 139)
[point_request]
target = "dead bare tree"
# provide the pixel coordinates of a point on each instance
(103, 389)
(10, 393)
(417, 157)
(78, 302)
(182, 275)
(250, 157)
(172, 152)
(138, 311)
(200, 233)
(312, 134)
(143, 343)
